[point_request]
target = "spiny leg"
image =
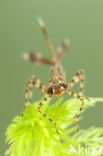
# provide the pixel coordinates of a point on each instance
(39, 107)
(42, 25)
(30, 92)
(36, 58)
(62, 48)
(79, 76)
(33, 81)
(82, 100)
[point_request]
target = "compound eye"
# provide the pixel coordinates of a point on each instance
(50, 90)
(64, 85)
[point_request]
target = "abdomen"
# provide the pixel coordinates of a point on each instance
(57, 70)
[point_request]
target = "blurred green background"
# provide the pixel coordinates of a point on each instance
(81, 21)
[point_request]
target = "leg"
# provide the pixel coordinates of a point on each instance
(42, 25)
(82, 100)
(33, 81)
(79, 76)
(36, 58)
(40, 105)
(62, 48)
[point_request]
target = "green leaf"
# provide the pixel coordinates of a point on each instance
(32, 134)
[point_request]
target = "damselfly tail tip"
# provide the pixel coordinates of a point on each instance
(41, 22)
(67, 41)
(25, 56)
